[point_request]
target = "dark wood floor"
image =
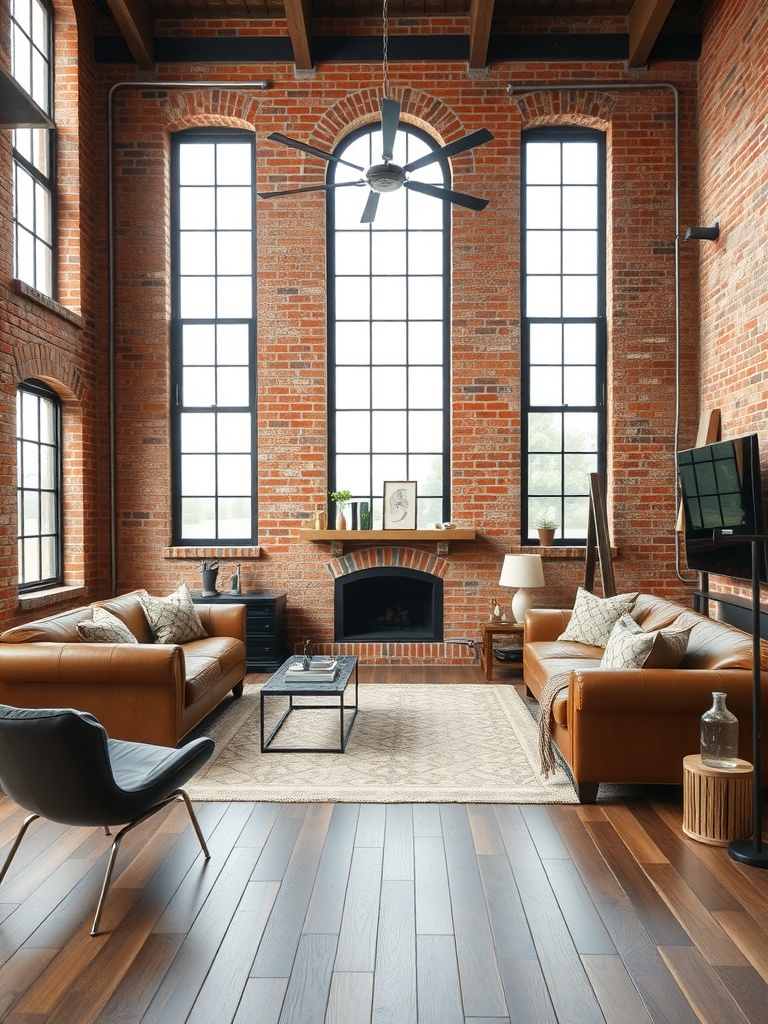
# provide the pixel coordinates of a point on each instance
(392, 914)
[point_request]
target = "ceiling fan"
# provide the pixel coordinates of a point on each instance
(389, 176)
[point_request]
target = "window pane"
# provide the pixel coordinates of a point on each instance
(543, 296)
(235, 297)
(196, 164)
(352, 253)
(198, 432)
(353, 431)
(580, 207)
(197, 208)
(234, 431)
(234, 518)
(426, 431)
(198, 298)
(234, 474)
(352, 344)
(425, 252)
(198, 518)
(198, 474)
(199, 386)
(425, 343)
(388, 387)
(389, 343)
(546, 343)
(388, 299)
(426, 298)
(232, 386)
(388, 256)
(426, 386)
(353, 388)
(542, 207)
(198, 252)
(390, 431)
(542, 162)
(545, 432)
(579, 386)
(234, 164)
(543, 255)
(546, 385)
(580, 296)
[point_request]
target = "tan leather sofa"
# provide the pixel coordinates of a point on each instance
(631, 726)
(146, 692)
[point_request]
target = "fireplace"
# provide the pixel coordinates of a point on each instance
(388, 603)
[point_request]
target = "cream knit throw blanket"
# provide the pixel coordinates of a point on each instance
(546, 752)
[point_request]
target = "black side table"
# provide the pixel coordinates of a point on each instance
(265, 627)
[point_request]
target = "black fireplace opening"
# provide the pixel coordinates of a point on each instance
(388, 603)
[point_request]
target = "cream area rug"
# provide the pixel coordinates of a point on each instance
(427, 743)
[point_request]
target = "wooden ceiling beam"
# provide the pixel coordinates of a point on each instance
(480, 18)
(646, 20)
(137, 24)
(299, 16)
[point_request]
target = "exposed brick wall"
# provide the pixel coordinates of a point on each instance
(291, 319)
(733, 155)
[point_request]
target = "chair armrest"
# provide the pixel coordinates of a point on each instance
(223, 619)
(545, 623)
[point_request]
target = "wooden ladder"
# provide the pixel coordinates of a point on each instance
(598, 539)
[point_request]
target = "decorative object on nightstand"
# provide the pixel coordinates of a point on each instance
(235, 585)
(719, 735)
(209, 571)
(523, 572)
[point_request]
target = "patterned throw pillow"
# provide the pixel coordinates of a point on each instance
(593, 618)
(174, 619)
(630, 647)
(105, 628)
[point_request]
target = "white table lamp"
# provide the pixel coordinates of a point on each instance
(523, 572)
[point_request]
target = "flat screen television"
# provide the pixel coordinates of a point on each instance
(723, 498)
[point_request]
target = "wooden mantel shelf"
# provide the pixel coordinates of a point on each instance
(336, 538)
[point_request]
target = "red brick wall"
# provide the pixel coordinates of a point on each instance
(292, 321)
(733, 152)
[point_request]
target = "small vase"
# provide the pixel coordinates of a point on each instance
(341, 521)
(546, 537)
(719, 735)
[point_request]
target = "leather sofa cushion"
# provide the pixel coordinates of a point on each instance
(127, 607)
(206, 662)
(61, 629)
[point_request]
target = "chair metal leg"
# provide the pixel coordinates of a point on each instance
(16, 843)
(178, 794)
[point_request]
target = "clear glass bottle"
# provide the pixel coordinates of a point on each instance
(719, 735)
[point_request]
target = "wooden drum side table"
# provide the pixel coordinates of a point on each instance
(717, 802)
(489, 630)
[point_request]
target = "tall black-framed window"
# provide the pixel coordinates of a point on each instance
(213, 337)
(38, 485)
(34, 148)
(563, 326)
(389, 331)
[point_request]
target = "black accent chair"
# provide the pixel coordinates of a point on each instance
(60, 764)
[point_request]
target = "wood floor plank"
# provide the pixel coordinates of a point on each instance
(485, 830)
(327, 900)
(360, 917)
(262, 1001)
(438, 991)
(19, 972)
(260, 823)
(371, 823)
(176, 995)
(619, 999)
(278, 849)
(589, 934)
(661, 995)
(705, 991)
(660, 923)
(572, 995)
(715, 944)
(309, 986)
(433, 897)
(481, 984)
(426, 821)
(394, 986)
(637, 840)
(350, 999)
(141, 980)
(219, 996)
(748, 936)
(547, 840)
(398, 844)
(749, 991)
(281, 936)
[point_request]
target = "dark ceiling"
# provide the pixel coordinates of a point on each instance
(637, 31)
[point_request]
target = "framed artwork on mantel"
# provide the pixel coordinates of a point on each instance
(399, 505)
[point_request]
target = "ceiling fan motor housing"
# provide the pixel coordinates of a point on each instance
(386, 177)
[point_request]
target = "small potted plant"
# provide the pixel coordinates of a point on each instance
(546, 524)
(340, 498)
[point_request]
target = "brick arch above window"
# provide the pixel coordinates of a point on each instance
(586, 108)
(364, 107)
(211, 108)
(39, 362)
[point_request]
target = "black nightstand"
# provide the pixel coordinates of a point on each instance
(265, 633)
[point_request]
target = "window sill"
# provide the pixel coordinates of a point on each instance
(559, 551)
(22, 288)
(49, 598)
(251, 551)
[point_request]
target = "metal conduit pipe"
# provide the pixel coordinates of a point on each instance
(261, 84)
(596, 86)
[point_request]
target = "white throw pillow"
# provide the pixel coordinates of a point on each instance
(174, 619)
(629, 646)
(105, 628)
(593, 618)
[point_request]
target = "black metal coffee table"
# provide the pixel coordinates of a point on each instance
(279, 685)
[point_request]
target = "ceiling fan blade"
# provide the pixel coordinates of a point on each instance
(478, 138)
(459, 198)
(312, 150)
(390, 118)
(369, 213)
(311, 188)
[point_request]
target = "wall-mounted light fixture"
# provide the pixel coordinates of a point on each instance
(710, 234)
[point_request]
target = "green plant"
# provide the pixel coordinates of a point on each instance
(546, 521)
(340, 497)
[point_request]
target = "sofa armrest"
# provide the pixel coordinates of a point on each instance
(545, 623)
(105, 664)
(223, 619)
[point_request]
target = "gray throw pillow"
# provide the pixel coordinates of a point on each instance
(174, 619)
(629, 646)
(105, 628)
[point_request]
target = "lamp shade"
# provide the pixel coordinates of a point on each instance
(522, 571)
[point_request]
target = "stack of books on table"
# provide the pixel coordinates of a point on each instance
(321, 670)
